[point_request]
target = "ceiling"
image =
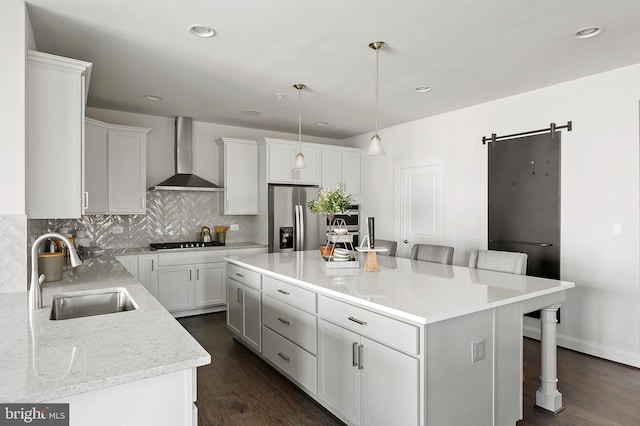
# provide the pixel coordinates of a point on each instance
(467, 51)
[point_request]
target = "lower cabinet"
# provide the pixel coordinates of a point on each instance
(366, 382)
(244, 313)
(185, 287)
(148, 272)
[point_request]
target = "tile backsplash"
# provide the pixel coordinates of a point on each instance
(13, 253)
(171, 216)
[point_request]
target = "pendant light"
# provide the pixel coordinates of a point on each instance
(375, 147)
(299, 163)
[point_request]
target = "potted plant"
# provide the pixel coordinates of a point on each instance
(331, 202)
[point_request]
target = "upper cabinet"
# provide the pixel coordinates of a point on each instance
(239, 176)
(341, 168)
(115, 177)
(55, 106)
(281, 156)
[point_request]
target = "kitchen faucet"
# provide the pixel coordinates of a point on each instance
(35, 290)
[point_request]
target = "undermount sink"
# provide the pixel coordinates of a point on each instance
(90, 303)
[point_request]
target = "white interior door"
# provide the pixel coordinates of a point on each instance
(422, 206)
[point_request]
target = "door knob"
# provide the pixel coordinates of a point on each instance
(406, 241)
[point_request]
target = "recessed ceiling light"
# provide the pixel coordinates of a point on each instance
(423, 89)
(202, 31)
(322, 123)
(251, 112)
(153, 97)
(589, 32)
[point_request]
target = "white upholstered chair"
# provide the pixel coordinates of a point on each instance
(432, 253)
(391, 245)
(501, 261)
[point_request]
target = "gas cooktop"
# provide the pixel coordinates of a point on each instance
(184, 245)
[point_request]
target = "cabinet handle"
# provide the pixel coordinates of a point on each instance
(286, 293)
(86, 200)
(240, 275)
(284, 321)
(283, 356)
(190, 272)
(197, 274)
(360, 357)
(239, 295)
(354, 354)
(152, 262)
(357, 321)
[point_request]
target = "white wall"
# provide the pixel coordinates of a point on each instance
(160, 149)
(13, 36)
(599, 188)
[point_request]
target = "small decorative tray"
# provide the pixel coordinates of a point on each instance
(331, 263)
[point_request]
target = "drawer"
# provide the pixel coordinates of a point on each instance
(289, 293)
(191, 257)
(298, 326)
(244, 276)
(295, 362)
(247, 251)
(388, 331)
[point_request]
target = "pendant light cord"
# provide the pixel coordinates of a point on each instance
(300, 115)
(377, 65)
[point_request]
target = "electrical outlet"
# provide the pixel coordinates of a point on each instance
(478, 350)
(234, 227)
(117, 229)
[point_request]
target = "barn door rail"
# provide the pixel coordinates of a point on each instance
(551, 129)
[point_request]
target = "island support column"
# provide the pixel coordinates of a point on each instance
(547, 396)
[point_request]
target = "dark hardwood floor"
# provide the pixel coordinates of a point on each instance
(238, 388)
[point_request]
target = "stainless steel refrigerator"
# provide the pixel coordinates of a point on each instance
(292, 227)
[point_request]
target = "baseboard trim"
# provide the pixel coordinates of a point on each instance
(601, 351)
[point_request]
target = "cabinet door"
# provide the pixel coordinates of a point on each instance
(338, 374)
(331, 168)
(310, 175)
(234, 306)
(127, 172)
(175, 287)
(130, 263)
(148, 272)
(55, 93)
(281, 158)
(384, 369)
(351, 178)
(95, 176)
(252, 316)
(210, 286)
(241, 179)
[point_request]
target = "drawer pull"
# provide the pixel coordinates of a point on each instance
(283, 292)
(357, 321)
(360, 356)
(284, 321)
(239, 275)
(283, 356)
(354, 354)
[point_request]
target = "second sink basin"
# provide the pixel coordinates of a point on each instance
(90, 303)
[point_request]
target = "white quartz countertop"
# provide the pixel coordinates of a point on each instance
(421, 292)
(42, 360)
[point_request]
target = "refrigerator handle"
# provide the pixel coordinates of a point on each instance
(302, 225)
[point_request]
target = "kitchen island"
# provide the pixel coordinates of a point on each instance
(128, 368)
(415, 343)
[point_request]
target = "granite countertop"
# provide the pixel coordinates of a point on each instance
(410, 290)
(43, 360)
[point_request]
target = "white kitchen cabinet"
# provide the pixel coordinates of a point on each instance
(244, 310)
(176, 287)
(130, 263)
(356, 374)
(281, 156)
(148, 272)
(56, 91)
(210, 288)
(116, 181)
(341, 168)
(239, 176)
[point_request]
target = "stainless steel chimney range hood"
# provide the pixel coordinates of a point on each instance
(184, 179)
